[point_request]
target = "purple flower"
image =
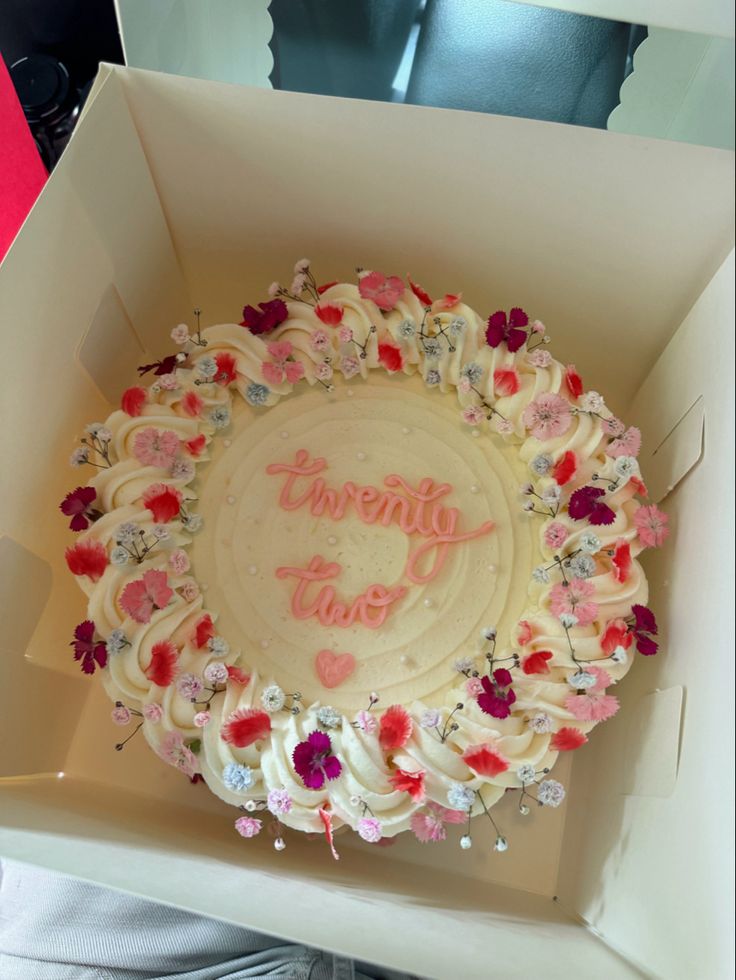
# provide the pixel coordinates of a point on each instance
(497, 696)
(87, 649)
(509, 329)
(585, 502)
(313, 761)
(270, 315)
(189, 686)
(644, 623)
(77, 506)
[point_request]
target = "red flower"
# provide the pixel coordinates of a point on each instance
(639, 486)
(585, 502)
(509, 329)
(506, 381)
(238, 676)
(226, 372)
(621, 560)
(91, 652)
(192, 403)
(395, 728)
(616, 634)
(164, 661)
(384, 291)
(536, 663)
(327, 285)
(573, 381)
(204, 630)
(196, 445)
(141, 597)
(245, 726)
(133, 400)
(165, 366)
(497, 696)
(409, 782)
(329, 313)
(390, 357)
(87, 558)
(265, 319)
(644, 623)
(485, 760)
(424, 298)
(77, 505)
(448, 301)
(565, 468)
(567, 739)
(163, 501)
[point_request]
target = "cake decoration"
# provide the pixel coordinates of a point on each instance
(354, 581)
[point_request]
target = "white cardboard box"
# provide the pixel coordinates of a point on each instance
(174, 193)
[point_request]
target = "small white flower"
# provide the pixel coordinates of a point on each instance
(528, 506)
(273, 698)
(127, 533)
(323, 371)
(619, 655)
(540, 358)
(406, 329)
(160, 532)
(182, 469)
(220, 417)
(592, 402)
(207, 366)
(298, 283)
(460, 797)
(582, 566)
(433, 378)
(430, 718)
(625, 467)
(568, 620)
(551, 495)
(541, 464)
(488, 633)
(541, 723)
(169, 382)
(526, 773)
(526, 489)
(590, 542)
(301, 266)
(98, 431)
(541, 575)
(463, 664)
(274, 289)
(237, 778)
(581, 680)
(180, 333)
(192, 522)
(116, 641)
(473, 372)
(79, 456)
(432, 349)
(457, 325)
(218, 646)
(550, 793)
(119, 556)
(329, 717)
(215, 673)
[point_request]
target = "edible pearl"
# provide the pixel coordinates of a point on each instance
(227, 443)
(492, 569)
(279, 843)
(428, 603)
(284, 435)
(250, 805)
(332, 539)
(252, 569)
(501, 844)
(230, 499)
(360, 456)
(466, 842)
(406, 430)
(403, 659)
(475, 488)
(264, 644)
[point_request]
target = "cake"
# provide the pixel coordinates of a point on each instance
(364, 559)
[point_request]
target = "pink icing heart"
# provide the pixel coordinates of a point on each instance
(334, 668)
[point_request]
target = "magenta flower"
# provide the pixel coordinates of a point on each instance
(78, 506)
(497, 696)
(547, 417)
(572, 598)
(586, 502)
(159, 368)
(651, 526)
(643, 624)
(266, 318)
(91, 652)
(156, 447)
(627, 444)
(501, 327)
(314, 762)
(385, 291)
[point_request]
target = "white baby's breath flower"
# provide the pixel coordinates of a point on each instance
(160, 532)
(79, 456)
(329, 717)
(126, 533)
(526, 773)
(590, 542)
(192, 522)
(430, 718)
(551, 495)
(568, 620)
(460, 797)
(541, 464)
(541, 723)
(218, 646)
(581, 680)
(488, 633)
(541, 575)
(298, 283)
(98, 431)
(550, 793)
(582, 566)
(116, 641)
(215, 673)
(273, 698)
(180, 333)
(457, 325)
(301, 266)
(119, 556)
(619, 655)
(625, 467)
(207, 367)
(274, 289)
(182, 469)
(591, 401)
(220, 417)
(463, 664)
(406, 329)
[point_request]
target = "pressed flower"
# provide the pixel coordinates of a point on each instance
(179, 561)
(226, 368)
(589, 542)
(320, 341)
(432, 349)
(573, 381)
(156, 447)
(78, 506)
(164, 663)
(498, 695)
(366, 722)
(80, 456)
(485, 760)
(180, 333)
(433, 378)
(627, 444)
(326, 817)
(526, 773)
(555, 535)
(204, 630)
(525, 632)
(385, 291)
(421, 294)
(651, 526)
(280, 368)
(202, 718)
(369, 828)
(592, 402)
(430, 718)
(173, 750)
(189, 686)
(537, 662)
(218, 646)
(278, 802)
(541, 464)
(547, 417)
(550, 793)
(245, 726)
(153, 712)
(207, 367)
(395, 728)
(565, 468)
(120, 714)
(87, 557)
(507, 328)
(257, 394)
(582, 680)
(592, 707)
(428, 825)
(164, 366)
(92, 652)
(116, 641)
(506, 381)
(168, 382)
(248, 826)
(448, 301)
(621, 560)
(567, 740)
(582, 566)
(238, 676)
(587, 503)
(625, 467)
(237, 778)
(196, 445)
(325, 286)
(192, 404)
(573, 597)
(133, 400)
(314, 762)
(219, 416)
(473, 687)
(409, 782)
(163, 501)
(390, 357)
(329, 313)
(350, 366)
(266, 318)
(568, 620)
(644, 624)
(539, 358)
(215, 673)
(323, 371)
(141, 597)
(473, 415)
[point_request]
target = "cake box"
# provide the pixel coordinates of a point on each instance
(177, 193)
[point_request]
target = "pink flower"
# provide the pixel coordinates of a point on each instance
(189, 590)
(248, 826)
(202, 718)
(548, 417)
(120, 714)
(537, 326)
(651, 526)
(153, 712)
(140, 597)
(464, 386)
(156, 447)
(169, 382)
(370, 829)
(350, 366)
(473, 687)
(503, 426)
(428, 825)
(345, 334)
(572, 598)
(628, 444)
(473, 415)
(280, 367)
(320, 341)
(539, 358)
(555, 535)
(385, 291)
(172, 749)
(613, 427)
(179, 562)
(367, 722)
(189, 686)
(592, 707)
(323, 371)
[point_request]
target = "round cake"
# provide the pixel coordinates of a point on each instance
(364, 559)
